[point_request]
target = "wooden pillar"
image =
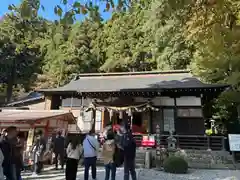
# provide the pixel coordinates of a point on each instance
(48, 102)
(111, 115)
(103, 119)
(46, 129)
(146, 121)
(175, 114)
(93, 120)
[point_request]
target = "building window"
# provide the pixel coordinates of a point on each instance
(156, 120)
(189, 112)
(71, 102)
(168, 120)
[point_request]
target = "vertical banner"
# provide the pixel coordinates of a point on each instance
(30, 138)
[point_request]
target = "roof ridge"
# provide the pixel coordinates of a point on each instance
(133, 73)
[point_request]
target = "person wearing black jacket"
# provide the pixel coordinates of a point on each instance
(59, 149)
(129, 160)
(8, 146)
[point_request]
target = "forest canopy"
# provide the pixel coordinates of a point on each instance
(200, 35)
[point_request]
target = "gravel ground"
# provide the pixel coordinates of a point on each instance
(192, 175)
(144, 174)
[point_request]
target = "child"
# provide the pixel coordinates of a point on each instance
(107, 154)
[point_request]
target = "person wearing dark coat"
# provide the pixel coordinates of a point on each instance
(19, 155)
(59, 149)
(8, 147)
(129, 160)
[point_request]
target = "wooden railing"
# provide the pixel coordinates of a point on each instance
(195, 142)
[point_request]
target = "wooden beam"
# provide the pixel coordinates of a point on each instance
(103, 119)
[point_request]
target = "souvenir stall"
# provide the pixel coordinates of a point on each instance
(30, 121)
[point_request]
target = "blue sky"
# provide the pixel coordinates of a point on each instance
(48, 5)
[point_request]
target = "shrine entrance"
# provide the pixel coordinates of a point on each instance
(136, 114)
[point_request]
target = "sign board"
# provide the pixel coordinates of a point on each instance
(30, 137)
(234, 142)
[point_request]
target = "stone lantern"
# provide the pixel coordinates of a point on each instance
(171, 140)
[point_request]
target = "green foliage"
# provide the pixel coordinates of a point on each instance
(71, 50)
(19, 50)
(171, 49)
(214, 29)
(202, 35)
(176, 165)
(130, 48)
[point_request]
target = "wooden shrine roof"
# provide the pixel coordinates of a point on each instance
(9, 115)
(133, 81)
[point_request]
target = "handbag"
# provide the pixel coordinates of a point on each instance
(91, 145)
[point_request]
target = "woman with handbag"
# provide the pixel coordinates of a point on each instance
(74, 153)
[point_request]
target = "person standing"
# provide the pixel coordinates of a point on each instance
(8, 146)
(90, 151)
(39, 148)
(19, 154)
(1, 162)
(74, 153)
(59, 149)
(108, 152)
(129, 157)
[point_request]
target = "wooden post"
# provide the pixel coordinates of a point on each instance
(111, 115)
(93, 119)
(103, 119)
(223, 143)
(175, 114)
(208, 143)
(48, 102)
(158, 149)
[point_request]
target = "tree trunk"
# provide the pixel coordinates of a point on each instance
(10, 81)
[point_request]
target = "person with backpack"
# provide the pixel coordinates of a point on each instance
(129, 160)
(90, 152)
(128, 145)
(108, 152)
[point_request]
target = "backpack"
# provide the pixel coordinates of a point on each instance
(118, 157)
(126, 140)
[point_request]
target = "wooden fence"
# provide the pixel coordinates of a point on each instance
(195, 142)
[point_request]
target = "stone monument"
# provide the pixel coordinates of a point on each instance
(171, 141)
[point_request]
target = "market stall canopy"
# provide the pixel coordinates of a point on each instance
(31, 116)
